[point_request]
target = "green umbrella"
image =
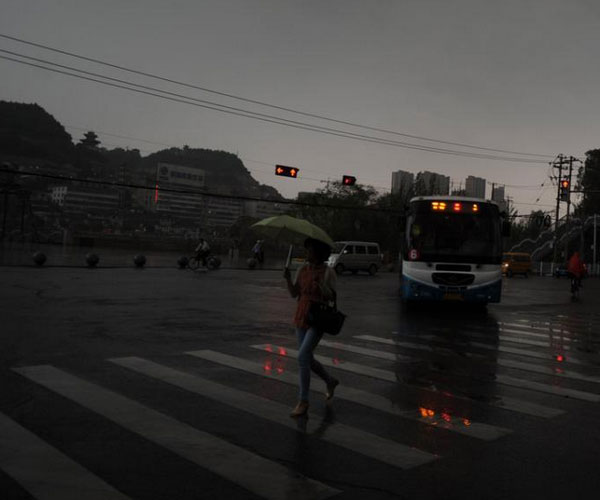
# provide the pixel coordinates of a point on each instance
(291, 230)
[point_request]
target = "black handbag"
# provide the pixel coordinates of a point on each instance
(325, 318)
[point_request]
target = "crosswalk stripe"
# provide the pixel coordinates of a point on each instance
(514, 340)
(501, 348)
(551, 336)
(45, 472)
(258, 475)
(511, 381)
(363, 350)
(552, 347)
(508, 363)
(533, 354)
(426, 416)
(562, 323)
(366, 443)
(506, 403)
(555, 336)
(549, 329)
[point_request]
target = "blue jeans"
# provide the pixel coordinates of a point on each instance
(307, 341)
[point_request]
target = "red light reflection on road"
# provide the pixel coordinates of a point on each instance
(267, 366)
(426, 412)
(282, 351)
(268, 348)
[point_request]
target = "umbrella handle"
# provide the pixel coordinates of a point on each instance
(289, 257)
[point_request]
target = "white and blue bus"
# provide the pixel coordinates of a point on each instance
(452, 250)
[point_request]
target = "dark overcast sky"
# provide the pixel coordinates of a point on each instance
(519, 75)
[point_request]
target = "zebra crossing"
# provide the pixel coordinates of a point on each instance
(521, 358)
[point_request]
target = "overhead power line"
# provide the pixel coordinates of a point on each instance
(263, 103)
(245, 159)
(171, 96)
(213, 195)
(196, 192)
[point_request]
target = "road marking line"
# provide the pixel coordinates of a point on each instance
(248, 470)
(45, 472)
(499, 348)
(552, 336)
(536, 386)
(534, 354)
(363, 350)
(572, 324)
(506, 403)
(549, 329)
(508, 363)
(451, 423)
(366, 443)
(507, 338)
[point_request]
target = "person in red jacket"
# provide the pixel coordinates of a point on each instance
(576, 270)
(575, 266)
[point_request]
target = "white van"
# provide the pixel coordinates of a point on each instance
(355, 256)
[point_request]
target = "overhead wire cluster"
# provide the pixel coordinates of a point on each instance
(469, 150)
(426, 144)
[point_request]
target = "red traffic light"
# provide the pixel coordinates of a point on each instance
(348, 180)
(286, 171)
(564, 184)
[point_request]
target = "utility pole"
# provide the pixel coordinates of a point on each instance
(558, 163)
(568, 206)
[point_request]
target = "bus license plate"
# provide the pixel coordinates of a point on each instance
(453, 296)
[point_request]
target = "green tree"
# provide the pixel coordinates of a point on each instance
(366, 215)
(345, 223)
(588, 181)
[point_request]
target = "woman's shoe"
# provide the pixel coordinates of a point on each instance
(331, 388)
(300, 409)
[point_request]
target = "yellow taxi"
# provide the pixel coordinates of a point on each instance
(516, 263)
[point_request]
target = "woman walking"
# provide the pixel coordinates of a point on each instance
(315, 282)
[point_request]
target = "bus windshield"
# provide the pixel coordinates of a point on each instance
(455, 237)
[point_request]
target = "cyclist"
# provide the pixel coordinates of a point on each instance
(202, 251)
(576, 270)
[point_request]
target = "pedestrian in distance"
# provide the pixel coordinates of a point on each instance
(315, 282)
(258, 252)
(202, 251)
(576, 270)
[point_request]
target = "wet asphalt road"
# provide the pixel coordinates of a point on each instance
(167, 384)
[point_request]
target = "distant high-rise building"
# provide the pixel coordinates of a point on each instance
(475, 187)
(499, 197)
(498, 194)
(402, 182)
(430, 183)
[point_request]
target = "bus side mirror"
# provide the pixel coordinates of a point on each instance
(505, 229)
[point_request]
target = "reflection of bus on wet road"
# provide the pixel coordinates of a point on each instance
(452, 250)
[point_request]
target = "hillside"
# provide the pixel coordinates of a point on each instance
(27, 130)
(28, 133)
